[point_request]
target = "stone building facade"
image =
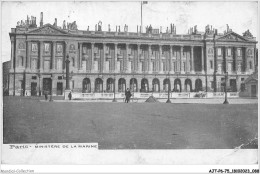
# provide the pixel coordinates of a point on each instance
(144, 62)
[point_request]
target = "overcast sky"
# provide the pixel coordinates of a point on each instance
(239, 15)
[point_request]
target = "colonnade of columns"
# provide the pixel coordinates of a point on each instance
(142, 63)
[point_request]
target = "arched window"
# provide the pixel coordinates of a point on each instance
(144, 85)
(121, 85)
(188, 85)
(156, 85)
(110, 85)
(98, 85)
(86, 85)
(133, 85)
(177, 85)
(166, 85)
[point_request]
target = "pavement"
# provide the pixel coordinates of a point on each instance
(131, 126)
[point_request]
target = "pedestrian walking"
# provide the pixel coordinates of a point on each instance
(70, 95)
(127, 95)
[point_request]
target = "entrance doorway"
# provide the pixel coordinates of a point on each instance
(233, 85)
(59, 88)
(47, 86)
(33, 89)
(253, 90)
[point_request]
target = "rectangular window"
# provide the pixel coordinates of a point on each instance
(34, 47)
(229, 52)
(59, 48)
(46, 47)
(219, 52)
(239, 52)
(211, 64)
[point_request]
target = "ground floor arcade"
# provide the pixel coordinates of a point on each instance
(35, 84)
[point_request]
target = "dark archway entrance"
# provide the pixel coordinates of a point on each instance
(188, 85)
(144, 85)
(198, 85)
(110, 85)
(47, 86)
(59, 88)
(133, 85)
(156, 85)
(233, 85)
(121, 85)
(98, 85)
(166, 85)
(33, 89)
(177, 85)
(86, 85)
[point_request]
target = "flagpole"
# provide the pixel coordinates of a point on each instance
(141, 17)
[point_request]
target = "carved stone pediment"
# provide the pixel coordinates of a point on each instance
(47, 29)
(232, 37)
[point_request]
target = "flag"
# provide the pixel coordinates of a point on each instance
(145, 2)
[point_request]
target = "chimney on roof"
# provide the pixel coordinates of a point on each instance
(216, 32)
(41, 19)
(55, 23)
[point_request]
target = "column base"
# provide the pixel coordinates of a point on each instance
(161, 72)
(172, 72)
(202, 72)
(182, 72)
(150, 72)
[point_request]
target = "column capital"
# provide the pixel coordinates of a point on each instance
(116, 43)
(80, 43)
(192, 46)
(92, 43)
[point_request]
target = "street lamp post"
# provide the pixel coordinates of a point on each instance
(51, 89)
(168, 101)
(114, 86)
(39, 83)
(226, 101)
(67, 90)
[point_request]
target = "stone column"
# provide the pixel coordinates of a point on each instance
(12, 54)
(181, 61)
(127, 58)
(170, 57)
(80, 57)
(202, 60)
(40, 56)
(53, 55)
(28, 55)
(187, 64)
(149, 58)
(104, 58)
(192, 59)
(160, 59)
(235, 58)
(92, 56)
(138, 58)
(246, 61)
(115, 58)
